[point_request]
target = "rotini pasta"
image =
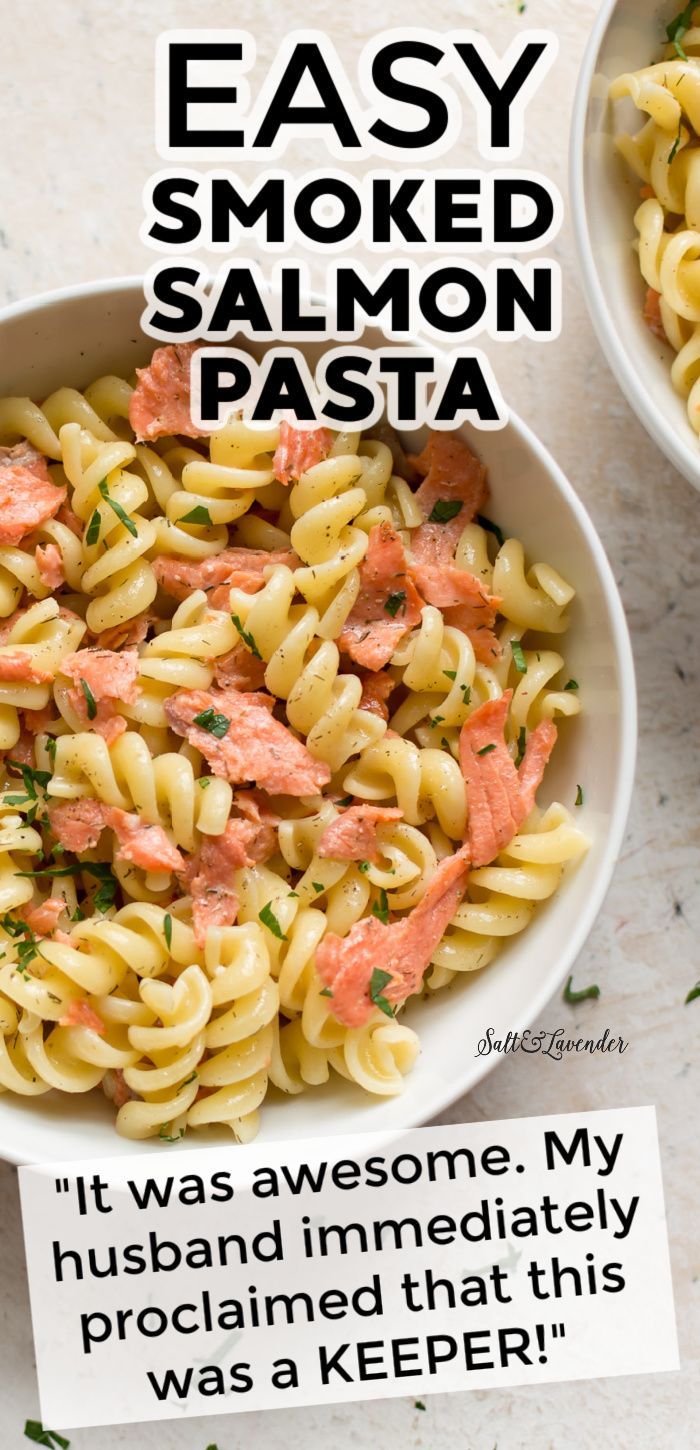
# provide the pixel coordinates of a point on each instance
(274, 709)
(664, 155)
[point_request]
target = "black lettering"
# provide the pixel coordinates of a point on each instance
(180, 93)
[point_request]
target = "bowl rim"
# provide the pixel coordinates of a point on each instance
(563, 963)
(682, 452)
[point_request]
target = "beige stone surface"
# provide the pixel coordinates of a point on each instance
(76, 119)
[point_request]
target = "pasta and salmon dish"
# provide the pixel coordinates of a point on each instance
(665, 157)
(275, 707)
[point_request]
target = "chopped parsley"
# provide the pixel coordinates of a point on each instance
(168, 930)
(486, 749)
(418, 1404)
(51, 748)
(90, 700)
(198, 515)
(466, 692)
(210, 720)
(491, 528)
(445, 509)
(518, 656)
(436, 720)
(363, 866)
(678, 27)
(318, 886)
(34, 1430)
(522, 738)
(117, 509)
(693, 993)
(677, 142)
(268, 919)
(581, 996)
(325, 992)
(579, 796)
(104, 897)
(247, 637)
(203, 782)
(377, 983)
(395, 602)
(293, 893)
(166, 1137)
(380, 908)
(93, 528)
(451, 674)
(571, 685)
(31, 778)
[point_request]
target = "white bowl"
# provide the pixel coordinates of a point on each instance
(604, 197)
(73, 336)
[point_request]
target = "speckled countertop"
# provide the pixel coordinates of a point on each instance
(76, 121)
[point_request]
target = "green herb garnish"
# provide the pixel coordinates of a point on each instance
(676, 144)
(445, 509)
(318, 885)
(679, 27)
(346, 801)
(491, 528)
(579, 796)
(203, 782)
(522, 738)
(581, 996)
(380, 908)
(486, 750)
(377, 983)
(268, 919)
(693, 993)
(518, 657)
(93, 528)
(451, 674)
(90, 700)
(418, 1404)
(363, 866)
(117, 509)
(168, 930)
(198, 515)
(325, 992)
(571, 685)
(210, 720)
(436, 720)
(189, 1079)
(395, 602)
(247, 637)
(34, 1430)
(31, 778)
(166, 1137)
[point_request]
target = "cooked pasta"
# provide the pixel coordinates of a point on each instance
(274, 708)
(664, 154)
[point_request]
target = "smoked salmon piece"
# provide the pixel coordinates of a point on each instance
(499, 798)
(239, 669)
(255, 807)
(207, 874)
(27, 496)
(42, 919)
(160, 402)
(115, 1087)
(377, 686)
(40, 721)
(18, 664)
(49, 562)
(144, 844)
(131, 632)
(299, 449)
(464, 602)
(404, 948)
(81, 1014)
(387, 606)
(241, 741)
(453, 490)
(77, 825)
(353, 835)
(652, 314)
(110, 677)
(238, 568)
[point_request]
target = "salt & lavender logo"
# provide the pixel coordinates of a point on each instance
(547, 1042)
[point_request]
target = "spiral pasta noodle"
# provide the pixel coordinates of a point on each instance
(244, 685)
(664, 155)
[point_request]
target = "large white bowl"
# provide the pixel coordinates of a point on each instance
(73, 336)
(604, 197)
